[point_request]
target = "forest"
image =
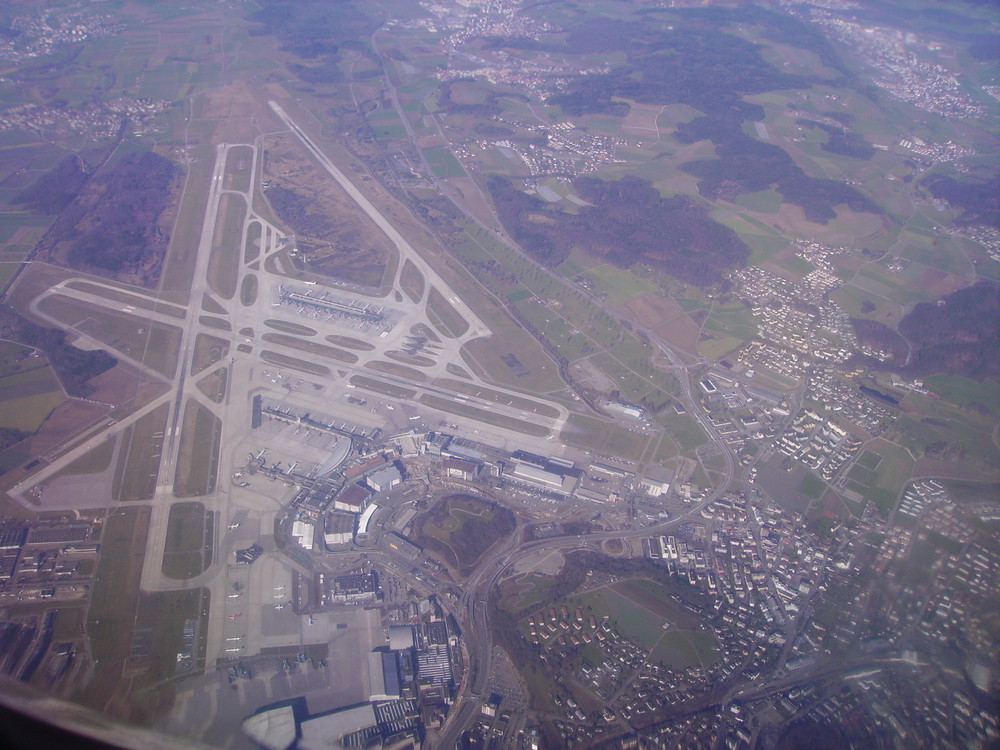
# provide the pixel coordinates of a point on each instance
(841, 141)
(957, 335)
(978, 200)
(628, 222)
(113, 227)
(746, 165)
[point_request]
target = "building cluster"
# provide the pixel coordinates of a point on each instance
(96, 120)
(905, 65)
(546, 477)
(948, 152)
(44, 561)
(883, 600)
(47, 29)
(567, 151)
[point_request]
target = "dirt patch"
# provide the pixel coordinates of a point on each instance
(650, 310)
(680, 331)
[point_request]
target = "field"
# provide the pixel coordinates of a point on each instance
(208, 350)
(350, 343)
(603, 437)
(294, 363)
(445, 317)
(411, 281)
(252, 244)
(239, 161)
(146, 303)
(442, 162)
(139, 457)
(643, 612)
(198, 458)
(296, 329)
(114, 601)
(312, 347)
(223, 266)
(879, 474)
(380, 386)
(29, 388)
(248, 290)
(398, 370)
(188, 548)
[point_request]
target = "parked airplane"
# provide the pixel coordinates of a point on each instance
(238, 614)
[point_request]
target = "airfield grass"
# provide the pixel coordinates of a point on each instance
(209, 305)
(114, 599)
(252, 244)
(383, 388)
(293, 363)
(208, 350)
(187, 550)
(311, 347)
(92, 462)
(417, 360)
(138, 461)
(214, 384)
(125, 298)
(198, 458)
(156, 345)
(178, 267)
(603, 437)
(350, 343)
(239, 161)
(499, 397)
(217, 323)
(396, 369)
(486, 417)
(411, 281)
(248, 290)
(296, 329)
(223, 265)
(445, 317)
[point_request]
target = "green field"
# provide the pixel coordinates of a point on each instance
(411, 281)
(139, 457)
(248, 290)
(227, 246)
(380, 386)
(198, 460)
(442, 162)
(294, 363)
(603, 437)
(444, 317)
(312, 347)
(189, 542)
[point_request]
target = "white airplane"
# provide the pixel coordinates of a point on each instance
(233, 596)
(238, 614)
(234, 526)
(235, 638)
(279, 606)
(234, 650)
